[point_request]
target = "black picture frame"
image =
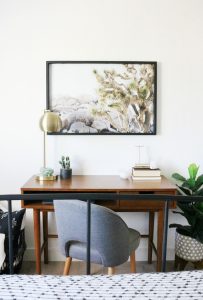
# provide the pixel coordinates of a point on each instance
(151, 66)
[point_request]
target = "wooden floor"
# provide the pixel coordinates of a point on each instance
(78, 268)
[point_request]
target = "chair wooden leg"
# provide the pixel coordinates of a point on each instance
(67, 266)
(111, 270)
(132, 262)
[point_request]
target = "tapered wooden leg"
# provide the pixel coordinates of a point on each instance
(160, 227)
(111, 270)
(36, 216)
(132, 262)
(151, 235)
(45, 236)
(67, 265)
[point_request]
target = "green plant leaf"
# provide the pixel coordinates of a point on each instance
(186, 230)
(192, 211)
(199, 226)
(174, 225)
(178, 177)
(199, 212)
(182, 229)
(178, 212)
(200, 236)
(189, 183)
(185, 190)
(193, 170)
(200, 192)
(189, 212)
(199, 181)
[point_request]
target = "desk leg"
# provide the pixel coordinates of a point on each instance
(151, 236)
(160, 227)
(45, 236)
(36, 217)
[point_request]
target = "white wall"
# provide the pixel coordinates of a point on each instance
(33, 31)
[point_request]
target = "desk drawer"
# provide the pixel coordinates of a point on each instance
(112, 204)
(143, 205)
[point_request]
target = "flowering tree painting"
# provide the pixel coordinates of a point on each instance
(117, 98)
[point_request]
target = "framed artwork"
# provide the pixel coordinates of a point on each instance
(99, 97)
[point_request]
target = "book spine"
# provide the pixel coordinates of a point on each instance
(145, 178)
(141, 166)
(146, 173)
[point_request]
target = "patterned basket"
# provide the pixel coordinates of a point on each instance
(188, 248)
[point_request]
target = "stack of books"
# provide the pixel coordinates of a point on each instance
(142, 172)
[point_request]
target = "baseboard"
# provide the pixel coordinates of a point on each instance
(54, 254)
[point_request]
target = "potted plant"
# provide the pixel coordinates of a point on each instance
(189, 238)
(65, 171)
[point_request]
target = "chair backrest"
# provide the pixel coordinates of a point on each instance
(109, 233)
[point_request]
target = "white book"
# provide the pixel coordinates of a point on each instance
(146, 172)
(144, 178)
(141, 166)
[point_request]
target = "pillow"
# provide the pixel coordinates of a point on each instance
(17, 235)
(2, 252)
(17, 218)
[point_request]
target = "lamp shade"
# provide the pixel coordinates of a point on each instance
(50, 122)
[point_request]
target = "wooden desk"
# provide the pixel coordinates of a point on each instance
(97, 184)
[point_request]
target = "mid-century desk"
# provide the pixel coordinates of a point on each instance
(97, 183)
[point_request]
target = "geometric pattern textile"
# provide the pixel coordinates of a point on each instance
(188, 248)
(18, 240)
(144, 286)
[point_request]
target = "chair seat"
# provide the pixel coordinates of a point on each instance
(134, 240)
(78, 249)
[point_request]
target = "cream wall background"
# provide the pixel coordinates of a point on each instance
(33, 31)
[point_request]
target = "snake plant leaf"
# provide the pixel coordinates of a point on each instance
(178, 177)
(193, 169)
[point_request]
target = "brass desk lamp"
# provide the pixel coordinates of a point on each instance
(49, 122)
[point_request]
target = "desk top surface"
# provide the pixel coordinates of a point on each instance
(91, 183)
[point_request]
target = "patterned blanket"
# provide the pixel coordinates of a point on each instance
(19, 246)
(177, 285)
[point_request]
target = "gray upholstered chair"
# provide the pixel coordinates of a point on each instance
(112, 242)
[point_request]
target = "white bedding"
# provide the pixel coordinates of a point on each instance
(177, 285)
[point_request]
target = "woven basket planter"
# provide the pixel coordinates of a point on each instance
(188, 248)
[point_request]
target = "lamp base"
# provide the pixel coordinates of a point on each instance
(46, 178)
